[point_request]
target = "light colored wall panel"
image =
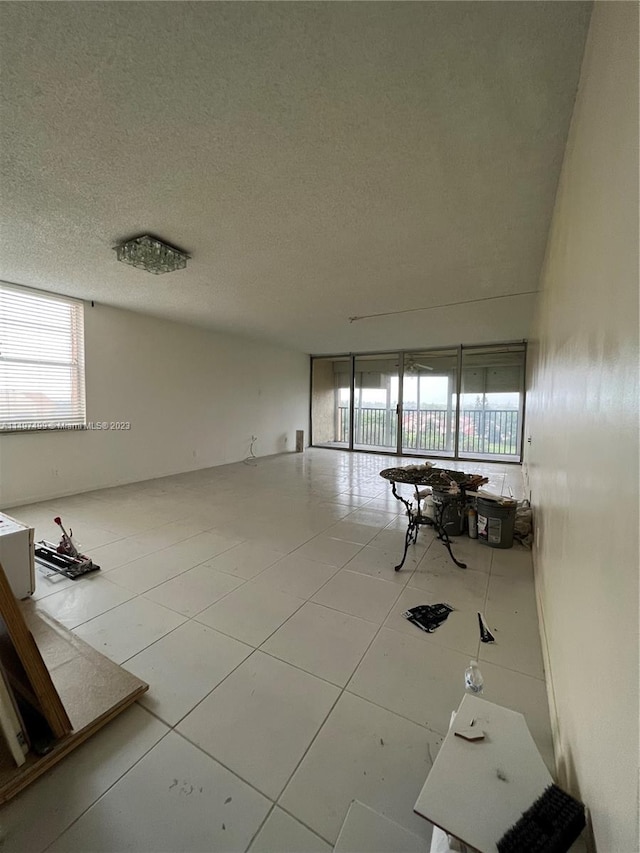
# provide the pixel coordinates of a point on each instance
(194, 399)
(583, 419)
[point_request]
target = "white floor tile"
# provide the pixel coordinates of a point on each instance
(418, 680)
(184, 666)
(193, 591)
(245, 560)
(176, 799)
(512, 562)
(515, 595)
(48, 583)
(283, 834)
(126, 630)
(462, 588)
(372, 517)
(296, 576)
(322, 641)
(366, 753)
(360, 534)
(146, 572)
(152, 570)
(517, 642)
(328, 550)
(359, 595)
(250, 613)
(88, 597)
(123, 551)
(37, 816)
(260, 720)
(381, 564)
(172, 532)
(367, 831)
(391, 540)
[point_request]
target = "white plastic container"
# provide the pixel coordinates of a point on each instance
(16, 555)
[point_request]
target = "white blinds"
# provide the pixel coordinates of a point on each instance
(41, 360)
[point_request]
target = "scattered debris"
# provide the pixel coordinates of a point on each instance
(428, 617)
(485, 634)
(523, 525)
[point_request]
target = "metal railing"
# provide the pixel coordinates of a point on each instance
(491, 432)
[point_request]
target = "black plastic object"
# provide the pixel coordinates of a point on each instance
(551, 825)
(485, 634)
(428, 616)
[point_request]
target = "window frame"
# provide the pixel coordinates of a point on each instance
(76, 399)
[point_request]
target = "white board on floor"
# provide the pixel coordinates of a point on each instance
(477, 790)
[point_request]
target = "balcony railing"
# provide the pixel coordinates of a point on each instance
(483, 432)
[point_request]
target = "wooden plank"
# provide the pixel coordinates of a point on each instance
(93, 689)
(14, 632)
(12, 729)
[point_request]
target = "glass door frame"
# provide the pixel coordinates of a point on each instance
(384, 354)
(401, 354)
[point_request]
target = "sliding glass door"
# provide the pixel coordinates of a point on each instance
(429, 402)
(457, 403)
(492, 403)
(375, 398)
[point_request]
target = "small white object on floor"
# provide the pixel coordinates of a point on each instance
(443, 843)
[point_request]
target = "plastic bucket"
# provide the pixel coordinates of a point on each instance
(453, 511)
(495, 523)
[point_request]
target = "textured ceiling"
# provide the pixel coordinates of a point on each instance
(318, 160)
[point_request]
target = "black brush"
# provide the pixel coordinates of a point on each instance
(550, 825)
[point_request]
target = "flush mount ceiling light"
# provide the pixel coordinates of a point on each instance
(150, 254)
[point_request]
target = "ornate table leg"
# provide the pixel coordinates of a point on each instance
(412, 527)
(443, 536)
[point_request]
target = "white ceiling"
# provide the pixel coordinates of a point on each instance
(318, 160)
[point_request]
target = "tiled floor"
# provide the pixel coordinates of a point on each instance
(260, 603)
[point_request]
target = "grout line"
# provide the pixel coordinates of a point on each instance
(106, 791)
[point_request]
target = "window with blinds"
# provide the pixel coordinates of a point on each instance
(41, 361)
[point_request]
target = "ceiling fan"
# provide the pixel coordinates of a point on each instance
(412, 366)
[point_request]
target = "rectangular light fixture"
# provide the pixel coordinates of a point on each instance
(150, 254)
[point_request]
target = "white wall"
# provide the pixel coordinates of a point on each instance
(193, 397)
(583, 419)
